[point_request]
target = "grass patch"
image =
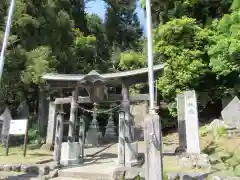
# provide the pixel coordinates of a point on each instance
(15, 155)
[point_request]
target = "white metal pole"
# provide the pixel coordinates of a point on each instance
(6, 34)
(153, 154)
(150, 57)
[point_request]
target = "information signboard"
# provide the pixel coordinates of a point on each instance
(18, 127)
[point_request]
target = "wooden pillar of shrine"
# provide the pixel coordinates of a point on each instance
(73, 115)
(131, 148)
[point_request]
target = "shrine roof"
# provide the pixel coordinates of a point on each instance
(109, 78)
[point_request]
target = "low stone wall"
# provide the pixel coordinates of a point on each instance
(41, 170)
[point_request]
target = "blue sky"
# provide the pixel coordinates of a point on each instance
(98, 7)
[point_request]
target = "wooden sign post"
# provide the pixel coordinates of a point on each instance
(18, 127)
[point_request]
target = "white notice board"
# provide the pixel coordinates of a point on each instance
(18, 127)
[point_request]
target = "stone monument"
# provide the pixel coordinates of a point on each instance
(181, 121)
(192, 124)
(6, 118)
(51, 125)
(231, 113)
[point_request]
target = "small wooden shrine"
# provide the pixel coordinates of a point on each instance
(97, 86)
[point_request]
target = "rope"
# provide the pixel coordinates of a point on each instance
(99, 111)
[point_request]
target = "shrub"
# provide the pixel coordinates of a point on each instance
(34, 137)
(219, 132)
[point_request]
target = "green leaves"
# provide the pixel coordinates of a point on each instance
(131, 60)
(225, 50)
(203, 11)
(180, 45)
(39, 61)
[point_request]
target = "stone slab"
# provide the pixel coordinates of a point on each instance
(192, 124)
(6, 118)
(131, 156)
(181, 120)
(92, 169)
(231, 113)
(51, 123)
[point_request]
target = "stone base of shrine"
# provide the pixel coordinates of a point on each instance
(131, 154)
(47, 146)
(70, 154)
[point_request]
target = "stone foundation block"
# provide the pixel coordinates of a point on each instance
(131, 154)
(70, 153)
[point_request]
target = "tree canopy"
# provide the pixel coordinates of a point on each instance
(198, 41)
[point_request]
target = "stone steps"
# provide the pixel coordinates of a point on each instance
(94, 175)
(67, 178)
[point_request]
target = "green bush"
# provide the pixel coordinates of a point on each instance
(34, 137)
(219, 132)
(237, 171)
(203, 131)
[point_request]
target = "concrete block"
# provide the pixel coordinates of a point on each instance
(131, 154)
(70, 153)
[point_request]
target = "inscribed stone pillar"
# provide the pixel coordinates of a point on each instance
(181, 121)
(43, 113)
(6, 118)
(121, 139)
(131, 148)
(51, 128)
(192, 124)
(73, 115)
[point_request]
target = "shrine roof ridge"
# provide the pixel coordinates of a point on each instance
(79, 77)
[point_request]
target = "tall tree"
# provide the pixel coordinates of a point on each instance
(122, 25)
(182, 46)
(201, 10)
(47, 36)
(224, 51)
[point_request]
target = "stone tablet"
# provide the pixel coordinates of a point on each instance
(181, 121)
(23, 110)
(6, 118)
(51, 123)
(231, 113)
(192, 126)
